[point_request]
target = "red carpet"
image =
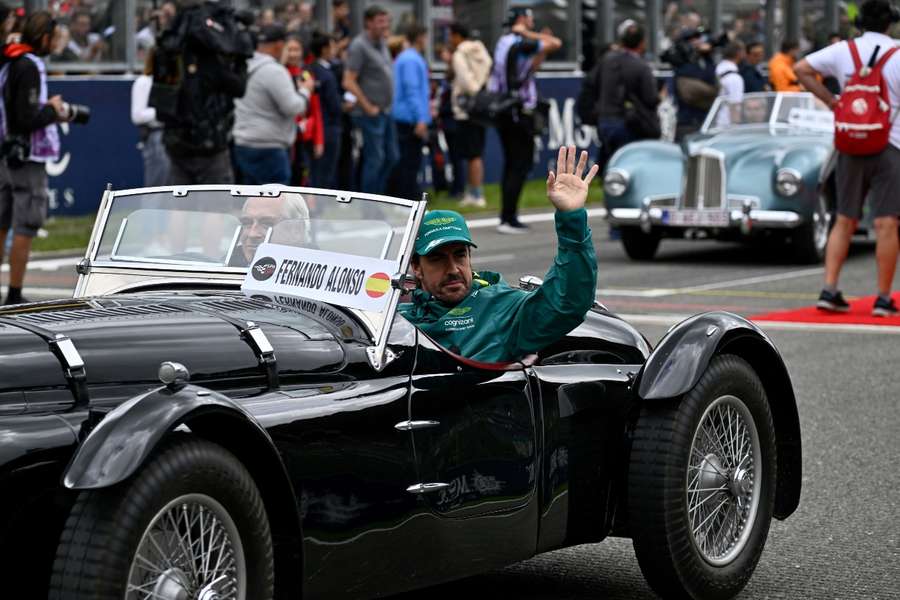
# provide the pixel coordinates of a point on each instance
(860, 314)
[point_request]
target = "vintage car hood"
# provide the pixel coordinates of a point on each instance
(123, 339)
(752, 157)
(774, 148)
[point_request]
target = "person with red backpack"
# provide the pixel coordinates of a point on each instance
(867, 141)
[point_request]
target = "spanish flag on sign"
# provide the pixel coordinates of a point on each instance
(377, 285)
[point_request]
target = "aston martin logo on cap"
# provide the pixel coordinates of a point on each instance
(263, 268)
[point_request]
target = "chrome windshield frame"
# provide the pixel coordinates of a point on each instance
(376, 324)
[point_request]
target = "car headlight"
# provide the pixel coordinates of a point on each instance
(788, 182)
(616, 182)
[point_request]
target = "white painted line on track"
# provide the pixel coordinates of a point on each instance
(492, 258)
(718, 285)
(528, 218)
(672, 319)
(754, 280)
(49, 264)
(44, 292)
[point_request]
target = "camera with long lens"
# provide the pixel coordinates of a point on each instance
(77, 113)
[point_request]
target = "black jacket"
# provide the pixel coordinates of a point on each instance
(329, 95)
(625, 76)
(754, 81)
(21, 93)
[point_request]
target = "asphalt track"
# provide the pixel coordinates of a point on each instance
(844, 540)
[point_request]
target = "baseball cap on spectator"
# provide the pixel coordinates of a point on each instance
(622, 29)
(274, 32)
(517, 11)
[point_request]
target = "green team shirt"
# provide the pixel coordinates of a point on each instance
(499, 323)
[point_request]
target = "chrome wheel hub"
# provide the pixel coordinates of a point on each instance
(191, 550)
(171, 585)
(723, 470)
(821, 224)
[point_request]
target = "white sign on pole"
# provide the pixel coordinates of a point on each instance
(341, 279)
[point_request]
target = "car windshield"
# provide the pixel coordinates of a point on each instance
(220, 230)
(789, 110)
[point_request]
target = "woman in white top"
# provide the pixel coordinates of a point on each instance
(156, 161)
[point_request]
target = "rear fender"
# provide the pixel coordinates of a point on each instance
(682, 356)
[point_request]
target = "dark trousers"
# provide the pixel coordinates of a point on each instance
(260, 166)
(613, 134)
(456, 161)
(323, 170)
(517, 139)
(405, 178)
(188, 170)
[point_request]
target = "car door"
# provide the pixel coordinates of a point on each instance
(475, 443)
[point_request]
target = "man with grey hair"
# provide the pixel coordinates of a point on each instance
(260, 215)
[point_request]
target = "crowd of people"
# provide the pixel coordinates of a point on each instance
(306, 92)
(272, 98)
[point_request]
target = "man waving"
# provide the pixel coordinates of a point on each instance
(477, 314)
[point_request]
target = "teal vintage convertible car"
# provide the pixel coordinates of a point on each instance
(760, 169)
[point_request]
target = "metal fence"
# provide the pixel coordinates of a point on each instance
(123, 29)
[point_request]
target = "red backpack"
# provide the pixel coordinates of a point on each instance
(862, 115)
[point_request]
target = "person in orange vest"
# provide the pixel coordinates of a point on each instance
(781, 68)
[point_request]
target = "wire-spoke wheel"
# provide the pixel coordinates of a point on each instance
(722, 495)
(701, 484)
(190, 525)
(191, 549)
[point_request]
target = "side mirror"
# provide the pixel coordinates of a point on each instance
(530, 282)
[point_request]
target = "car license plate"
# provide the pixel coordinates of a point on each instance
(696, 218)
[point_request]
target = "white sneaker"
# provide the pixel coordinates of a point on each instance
(512, 228)
(470, 200)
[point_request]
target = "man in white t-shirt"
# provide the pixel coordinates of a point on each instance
(731, 84)
(878, 175)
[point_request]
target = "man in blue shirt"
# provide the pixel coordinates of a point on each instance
(411, 111)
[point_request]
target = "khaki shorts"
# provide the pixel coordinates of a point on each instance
(23, 198)
(876, 176)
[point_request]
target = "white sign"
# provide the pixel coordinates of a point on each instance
(341, 279)
(819, 120)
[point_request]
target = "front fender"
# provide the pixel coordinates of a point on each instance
(121, 442)
(679, 360)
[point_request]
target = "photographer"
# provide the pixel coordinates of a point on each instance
(628, 95)
(696, 86)
(30, 139)
(200, 68)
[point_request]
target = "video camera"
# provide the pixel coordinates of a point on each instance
(686, 49)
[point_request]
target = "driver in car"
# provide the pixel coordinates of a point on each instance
(259, 215)
(477, 314)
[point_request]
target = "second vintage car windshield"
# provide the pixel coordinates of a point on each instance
(217, 229)
(790, 110)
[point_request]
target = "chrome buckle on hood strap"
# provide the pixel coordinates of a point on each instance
(65, 352)
(249, 332)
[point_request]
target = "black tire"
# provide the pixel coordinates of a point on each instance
(105, 528)
(809, 240)
(661, 475)
(639, 245)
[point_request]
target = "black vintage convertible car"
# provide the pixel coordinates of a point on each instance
(187, 427)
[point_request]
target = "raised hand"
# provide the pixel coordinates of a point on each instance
(566, 188)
